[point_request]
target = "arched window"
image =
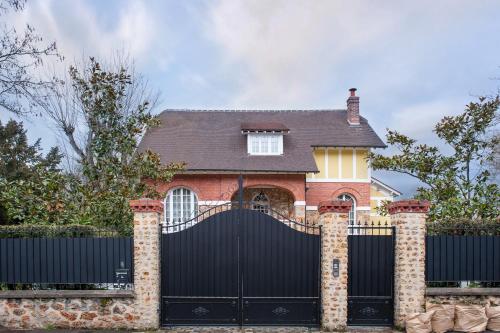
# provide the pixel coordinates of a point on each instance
(181, 204)
(352, 212)
(260, 202)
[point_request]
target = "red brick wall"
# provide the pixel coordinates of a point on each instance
(210, 187)
(222, 187)
(317, 192)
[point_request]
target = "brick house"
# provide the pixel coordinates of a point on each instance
(290, 160)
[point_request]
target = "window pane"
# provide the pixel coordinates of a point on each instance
(186, 204)
(183, 203)
(264, 143)
(167, 208)
(255, 145)
(274, 144)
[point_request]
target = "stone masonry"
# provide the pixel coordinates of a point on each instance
(408, 217)
(333, 221)
(469, 299)
(147, 262)
(47, 313)
(113, 309)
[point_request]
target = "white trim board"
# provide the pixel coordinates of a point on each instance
(337, 180)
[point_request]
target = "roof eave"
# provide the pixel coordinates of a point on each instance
(349, 146)
(251, 170)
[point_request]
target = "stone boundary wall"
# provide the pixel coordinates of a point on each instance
(88, 313)
(92, 309)
(479, 296)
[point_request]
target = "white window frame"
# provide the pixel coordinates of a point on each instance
(352, 213)
(168, 220)
(264, 140)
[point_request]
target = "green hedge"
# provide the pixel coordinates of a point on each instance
(41, 230)
(462, 226)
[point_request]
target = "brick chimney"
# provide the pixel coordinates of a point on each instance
(353, 108)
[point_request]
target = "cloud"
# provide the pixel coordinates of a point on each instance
(286, 51)
(285, 48)
(79, 31)
(418, 120)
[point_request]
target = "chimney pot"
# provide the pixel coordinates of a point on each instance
(353, 108)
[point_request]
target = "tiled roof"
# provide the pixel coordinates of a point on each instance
(211, 140)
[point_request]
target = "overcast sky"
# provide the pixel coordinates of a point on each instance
(412, 61)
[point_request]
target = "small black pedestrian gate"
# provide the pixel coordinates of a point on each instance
(370, 275)
(232, 265)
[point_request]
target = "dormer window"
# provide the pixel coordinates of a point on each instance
(265, 144)
(264, 138)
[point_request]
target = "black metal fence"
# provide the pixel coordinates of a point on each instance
(457, 256)
(102, 260)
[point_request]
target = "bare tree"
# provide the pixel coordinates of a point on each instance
(20, 54)
(64, 106)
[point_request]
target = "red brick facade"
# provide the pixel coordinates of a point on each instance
(213, 187)
(317, 192)
(222, 187)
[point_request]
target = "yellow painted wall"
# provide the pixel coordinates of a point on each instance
(361, 164)
(347, 164)
(319, 158)
(375, 217)
(333, 163)
(375, 193)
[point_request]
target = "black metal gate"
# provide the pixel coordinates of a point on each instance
(371, 275)
(235, 266)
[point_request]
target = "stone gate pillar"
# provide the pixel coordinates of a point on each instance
(408, 216)
(334, 224)
(147, 262)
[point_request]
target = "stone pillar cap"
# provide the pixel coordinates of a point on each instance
(409, 206)
(146, 205)
(334, 206)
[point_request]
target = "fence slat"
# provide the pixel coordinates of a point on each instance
(462, 258)
(65, 260)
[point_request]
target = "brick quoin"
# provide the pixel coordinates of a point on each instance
(317, 192)
(210, 187)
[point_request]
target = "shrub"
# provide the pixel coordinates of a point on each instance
(40, 230)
